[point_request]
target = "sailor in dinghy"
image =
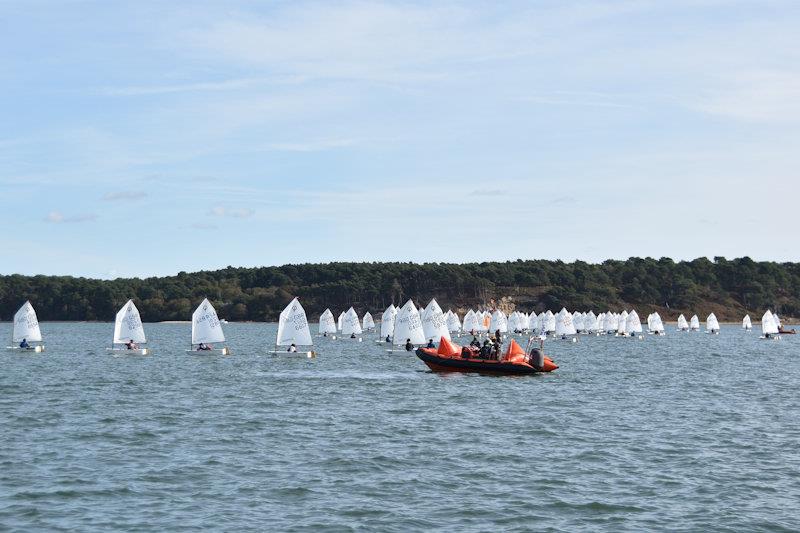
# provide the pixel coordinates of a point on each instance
(128, 332)
(293, 331)
(26, 334)
(207, 330)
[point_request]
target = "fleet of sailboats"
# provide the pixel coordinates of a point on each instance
(398, 326)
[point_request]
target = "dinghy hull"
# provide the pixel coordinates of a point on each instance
(213, 351)
(34, 349)
(125, 351)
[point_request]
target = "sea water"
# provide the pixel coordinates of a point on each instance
(684, 432)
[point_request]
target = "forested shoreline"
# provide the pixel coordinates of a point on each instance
(729, 288)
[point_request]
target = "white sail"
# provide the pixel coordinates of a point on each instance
(777, 320)
(622, 323)
(471, 322)
(408, 326)
(682, 324)
(205, 324)
(128, 325)
(387, 321)
(498, 321)
(564, 323)
(590, 322)
(293, 326)
(694, 323)
(367, 322)
(579, 320)
(434, 325)
(656, 324)
(768, 325)
(339, 321)
(350, 323)
(611, 322)
(549, 322)
(327, 324)
(632, 323)
(26, 325)
(712, 324)
(453, 323)
(747, 323)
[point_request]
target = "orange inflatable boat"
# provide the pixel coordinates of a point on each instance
(448, 358)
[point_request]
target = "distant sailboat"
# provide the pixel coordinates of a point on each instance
(453, 323)
(351, 325)
(471, 322)
(682, 324)
(769, 328)
(408, 326)
(339, 321)
(367, 323)
(206, 330)
(26, 328)
(129, 331)
(293, 331)
(564, 324)
(747, 324)
(499, 321)
(633, 325)
(655, 325)
(712, 324)
(434, 324)
(622, 323)
(327, 324)
(387, 322)
(694, 323)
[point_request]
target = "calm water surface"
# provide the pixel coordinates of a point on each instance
(686, 432)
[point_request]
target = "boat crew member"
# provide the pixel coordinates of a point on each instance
(409, 346)
(24, 344)
(292, 348)
(352, 335)
(325, 334)
(466, 353)
(388, 338)
(204, 347)
(430, 344)
(475, 342)
(486, 350)
(498, 337)
(130, 345)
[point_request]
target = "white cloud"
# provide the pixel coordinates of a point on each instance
(240, 212)
(56, 217)
(124, 195)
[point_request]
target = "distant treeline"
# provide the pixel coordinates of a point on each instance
(728, 288)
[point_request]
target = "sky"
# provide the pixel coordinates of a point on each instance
(147, 138)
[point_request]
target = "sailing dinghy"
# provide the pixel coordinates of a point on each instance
(207, 331)
(26, 328)
(769, 328)
(293, 332)
(351, 325)
(327, 324)
(694, 323)
(712, 324)
(682, 324)
(128, 331)
(408, 327)
(747, 324)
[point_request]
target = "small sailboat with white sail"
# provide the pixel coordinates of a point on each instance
(26, 334)
(694, 323)
(327, 325)
(207, 331)
(293, 332)
(769, 329)
(367, 323)
(408, 328)
(387, 324)
(747, 324)
(434, 324)
(655, 325)
(633, 325)
(351, 325)
(129, 332)
(712, 324)
(683, 325)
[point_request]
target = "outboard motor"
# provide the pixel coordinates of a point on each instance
(537, 359)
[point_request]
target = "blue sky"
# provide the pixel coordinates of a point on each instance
(146, 138)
